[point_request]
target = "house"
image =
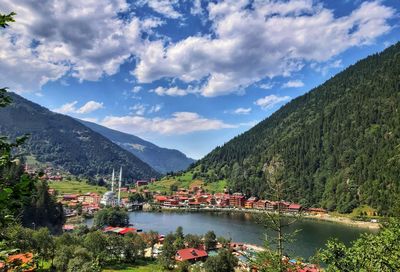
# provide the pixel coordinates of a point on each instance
(25, 260)
(260, 205)
(91, 198)
(191, 255)
(171, 202)
(317, 210)
(68, 228)
(294, 208)
(249, 203)
(283, 206)
(120, 231)
(270, 205)
(70, 197)
(236, 200)
(160, 198)
(141, 183)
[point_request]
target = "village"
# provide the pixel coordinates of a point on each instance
(192, 200)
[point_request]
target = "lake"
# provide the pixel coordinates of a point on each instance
(241, 227)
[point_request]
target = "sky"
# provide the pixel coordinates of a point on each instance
(184, 74)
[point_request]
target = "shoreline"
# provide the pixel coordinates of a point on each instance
(320, 217)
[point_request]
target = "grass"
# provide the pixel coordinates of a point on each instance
(186, 181)
(141, 266)
(75, 187)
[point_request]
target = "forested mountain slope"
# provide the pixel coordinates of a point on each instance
(66, 143)
(161, 159)
(337, 141)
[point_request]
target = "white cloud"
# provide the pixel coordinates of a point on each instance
(266, 86)
(271, 100)
(85, 39)
(87, 108)
(242, 111)
(155, 108)
(90, 107)
(172, 91)
(67, 108)
(164, 7)
(324, 68)
(178, 123)
(293, 84)
(271, 39)
(138, 109)
(136, 89)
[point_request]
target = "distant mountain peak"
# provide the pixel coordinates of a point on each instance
(162, 159)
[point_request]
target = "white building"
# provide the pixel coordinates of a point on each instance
(108, 199)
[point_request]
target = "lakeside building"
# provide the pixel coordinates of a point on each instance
(108, 199)
(191, 254)
(237, 200)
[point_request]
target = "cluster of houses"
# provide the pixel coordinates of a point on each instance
(198, 199)
(48, 173)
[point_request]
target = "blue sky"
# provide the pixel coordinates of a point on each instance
(184, 74)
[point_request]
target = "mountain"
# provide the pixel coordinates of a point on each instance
(338, 142)
(162, 159)
(66, 143)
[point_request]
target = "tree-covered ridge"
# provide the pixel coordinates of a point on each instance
(337, 141)
(66, 143)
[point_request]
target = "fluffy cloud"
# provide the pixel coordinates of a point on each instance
(270, 39)
(155, 108)
(138, 109)
(173, 91)
(179, 123)
(136, 89)
(242, 111)
(87, 108)
(271, 100)
(293, 84)
(51, 38)
(164, 7)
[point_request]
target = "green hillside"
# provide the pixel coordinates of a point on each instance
(67, 144)
(337, 142)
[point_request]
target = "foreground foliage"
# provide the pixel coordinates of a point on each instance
(371, 252)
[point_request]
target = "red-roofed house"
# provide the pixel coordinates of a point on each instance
(24, 259)
(294, 207)
(191, 255)
(236, 200)
(160, 198)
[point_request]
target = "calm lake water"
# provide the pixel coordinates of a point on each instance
(241, 227)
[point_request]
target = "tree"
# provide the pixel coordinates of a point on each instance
(96, 243)
(167, 255)
(183, 266)
(210, 240)
(271, 260)
(192, 240)
(371, 252)
(44, 244)
(225, 261)
(223, 241)
(5, 19)
(136, 198)
(134, 247)
(115, 217)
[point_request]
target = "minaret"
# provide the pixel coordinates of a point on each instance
(119, 186)
(112, 181)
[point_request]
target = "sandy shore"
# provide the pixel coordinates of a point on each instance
(344, 220)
